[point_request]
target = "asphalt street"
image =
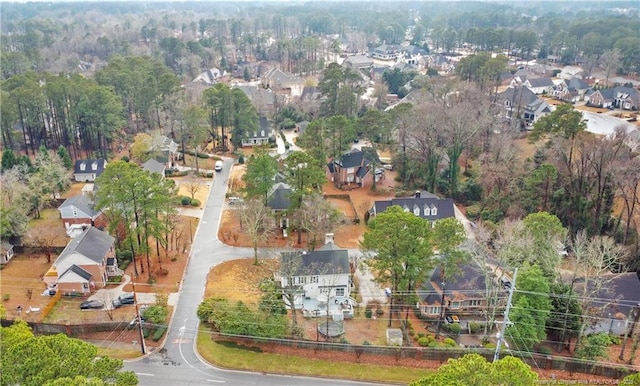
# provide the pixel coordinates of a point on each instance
(178, 363)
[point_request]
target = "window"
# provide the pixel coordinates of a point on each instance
(474, 302)
(432, 310)
(455, 304)
(434, 211)
(406, 208)
(339, 291)
(75, 212)
(314, 279)
(416, 210)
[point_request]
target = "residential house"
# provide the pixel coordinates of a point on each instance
(210, 77)
(6, 252)
(279, 203)
(353, 168)
(264, 100)
(571, 90)
(540, 86)
(153, 166)
(283, 83)
(88, 170)
(86, 262)
(301, 127)
(260, 137)
(611, 310)
(78, 213)
(440, 63)
(385, 52)
(359, 61)
(625, 98)
(463, 294)
(521, 103)
(413, 55)
(166, 150)
(320, 281)
(422, 204)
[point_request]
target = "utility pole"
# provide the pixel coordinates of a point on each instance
(505, 319)
(441, 312)
(630, 334)
(143, 349)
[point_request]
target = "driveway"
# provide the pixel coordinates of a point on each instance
(106, 295)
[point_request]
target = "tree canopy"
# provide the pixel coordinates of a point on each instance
(55, 360)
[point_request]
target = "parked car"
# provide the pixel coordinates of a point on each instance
(218, 166)
(452, 319)
(235, 201)
(91, 304)
(126, 298)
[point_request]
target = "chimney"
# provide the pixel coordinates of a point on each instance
(417, 194)
(328, 238)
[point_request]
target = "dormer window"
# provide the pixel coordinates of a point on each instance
(406, 208)
(416, 210)
(434, 211)
(94, 166)
(426, 210)
(83, 166)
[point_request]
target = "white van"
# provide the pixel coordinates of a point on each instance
(218, 166)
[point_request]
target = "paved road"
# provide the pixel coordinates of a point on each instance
(178, 363)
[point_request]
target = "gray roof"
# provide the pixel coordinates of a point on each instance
(163, 143)
(279, 196)
(622, 293)
(327, 260)
(78, 271)
(153, 166)
(470, 281)
(96, 166)
(81, 202)
(92, 243)
(359, 61)
(422, 203)
(576, 83)
(279, 77)
(518, 96)
(541, 82)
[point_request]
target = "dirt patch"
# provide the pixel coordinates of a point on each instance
(201, 190)
(22, 285)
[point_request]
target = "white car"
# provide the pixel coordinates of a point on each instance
(218, 166)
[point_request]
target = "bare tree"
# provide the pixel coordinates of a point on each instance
(317, 217)
(253, 216)
(46, 239)
(192, 183)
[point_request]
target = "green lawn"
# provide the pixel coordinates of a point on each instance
(245, 359)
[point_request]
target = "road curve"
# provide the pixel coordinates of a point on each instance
(177, 362)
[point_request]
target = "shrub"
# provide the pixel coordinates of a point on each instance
(162, 272)
(124, 254)
(454, 328)
(449, 342)
(123, 264)
(421, 335)
(241, 159)
(184, 200)
(366, 343)
(158, 333)
(146, 332)
(424, 341)
(368, 313)
(379, 311)
(125, 158)
(6, 297)
(615, 339)
(490, 345)
(435, 344)
(195, 202)
(475, 327)
(116, 279)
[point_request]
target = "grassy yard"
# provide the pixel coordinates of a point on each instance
(242, 359)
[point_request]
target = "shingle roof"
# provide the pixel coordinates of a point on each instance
(92, 243)
(81, 202)
(163, 143)
(518, 96)
(423, 205)
(154, 166)
(470, 281)
(89, 165)
(279, 197)
(327, 260)
(541, 82)
(77, 270)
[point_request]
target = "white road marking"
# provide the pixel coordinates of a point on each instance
(215, 380)
(147, 374)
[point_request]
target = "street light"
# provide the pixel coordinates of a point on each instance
(441, 311)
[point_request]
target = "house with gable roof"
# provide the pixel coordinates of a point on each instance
(464, 293)
(87, 170)
(521, 103)
(278, 201)
(78, 213)
(320, 279)
(282, 82)
(86, 262)
(153, 166)
(353, 168)
(259, 137)
(166, 150)
(540, 85)
(620, 97)
(422, 204)
(385, 52)
(571, 90)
